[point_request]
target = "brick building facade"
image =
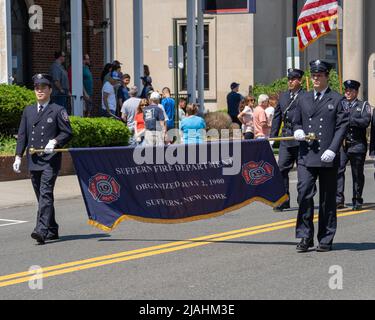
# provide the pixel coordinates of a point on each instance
(33, 51)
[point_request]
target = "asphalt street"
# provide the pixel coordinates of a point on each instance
(247, 254)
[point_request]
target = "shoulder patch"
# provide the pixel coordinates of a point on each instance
(65, 115)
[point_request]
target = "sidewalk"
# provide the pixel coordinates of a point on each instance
(20, 192)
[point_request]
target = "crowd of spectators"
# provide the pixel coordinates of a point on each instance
(254, 117)
(149, 114)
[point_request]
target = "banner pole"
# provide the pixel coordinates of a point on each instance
(339, 57)
(307, 83)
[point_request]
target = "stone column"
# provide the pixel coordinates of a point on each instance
(5, 42)
(353, 41)
(138, 43)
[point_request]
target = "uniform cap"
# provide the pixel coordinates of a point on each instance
(317, 66)
(352, 84)
(295, 73)
(41, 78)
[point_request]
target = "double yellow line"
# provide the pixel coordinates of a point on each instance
(79, 265)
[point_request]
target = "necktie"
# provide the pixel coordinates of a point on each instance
(41, 107)
(317, 97)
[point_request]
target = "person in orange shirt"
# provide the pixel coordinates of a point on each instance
(262, 128)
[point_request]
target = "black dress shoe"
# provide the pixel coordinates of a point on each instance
(283, 207)
(52, 237)
(305, 244)
(324, 248)
(340, 206)
(39, 238)
(357, 207)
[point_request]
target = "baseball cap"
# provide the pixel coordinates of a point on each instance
(234, 85)
(115, 75)
(155, 96)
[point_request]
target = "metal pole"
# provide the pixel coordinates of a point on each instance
(200, 59)
(8, 49)
(175, 71)
(191, 51)
(77, 57)
(108, 35)
(295, 17)
(138, 42)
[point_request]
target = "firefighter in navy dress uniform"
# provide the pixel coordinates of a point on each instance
(354, 146)
(322, 112)
(44, 126)
(284, 114)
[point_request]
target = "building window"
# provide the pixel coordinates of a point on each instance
(331, 55)
(20, 43)
(183, 42)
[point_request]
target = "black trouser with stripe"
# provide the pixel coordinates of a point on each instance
(44, 184)
(287, 157)
(357, 163)
(307, 177)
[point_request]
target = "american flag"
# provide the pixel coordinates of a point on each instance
(318, 17)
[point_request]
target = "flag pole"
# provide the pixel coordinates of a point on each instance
(339, 57)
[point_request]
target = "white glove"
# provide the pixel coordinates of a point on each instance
(50, 147)
(272, 143)
(17, 164)
(300, 135)
(328, 156)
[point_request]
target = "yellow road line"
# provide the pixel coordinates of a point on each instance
(151, 251)
(132, 252)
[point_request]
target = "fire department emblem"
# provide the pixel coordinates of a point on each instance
(104, 188)
(257, 173)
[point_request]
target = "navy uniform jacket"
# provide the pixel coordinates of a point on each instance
(328, 119)
(285, 112)
(35, 131)
(359, 120)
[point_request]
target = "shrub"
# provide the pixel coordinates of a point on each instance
(7, 145)
(13, 99)
(217, 120)
(98, 132)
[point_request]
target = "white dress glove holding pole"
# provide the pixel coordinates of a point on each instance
(50, 147)
(328, 156)
(300, 135)
(17, 164)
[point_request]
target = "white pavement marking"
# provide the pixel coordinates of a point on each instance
(10, 222)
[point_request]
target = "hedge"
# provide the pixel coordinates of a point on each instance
(98, 132)
(13, 99)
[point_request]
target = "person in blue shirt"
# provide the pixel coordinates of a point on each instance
(169, 107)
(192, 126)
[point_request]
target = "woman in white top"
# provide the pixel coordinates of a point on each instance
(246, 117)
